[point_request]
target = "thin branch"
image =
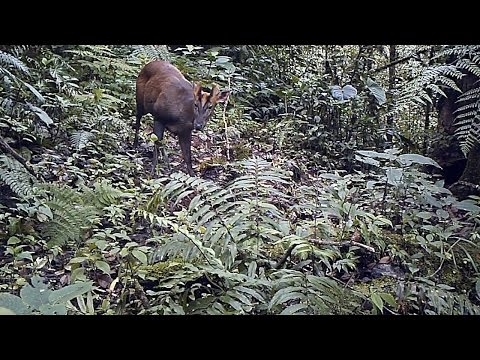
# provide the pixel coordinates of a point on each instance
(8, 149)
(342, 243)
(402, 60)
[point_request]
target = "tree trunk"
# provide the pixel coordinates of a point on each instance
(391, 88)
(447, 150)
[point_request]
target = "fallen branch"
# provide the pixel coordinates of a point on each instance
(8, 149)
(285, 256)
(322, 242)
(342, 243)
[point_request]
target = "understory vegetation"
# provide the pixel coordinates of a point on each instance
(334, 180)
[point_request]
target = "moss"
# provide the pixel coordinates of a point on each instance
(384, 284)
(161, 269)
(212, 162)
(241, 151)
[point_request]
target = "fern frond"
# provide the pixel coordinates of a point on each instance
(102, 195)
(80, 139)
(151, 52)
(72, 214)
(10, 60)
(467, 119)
(469, 66)
(16, 176)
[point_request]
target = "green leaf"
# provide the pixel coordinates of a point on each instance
(56, 309)
(286, 294)
(425, 215)
(34, 296)
(394, 176)
(41, 114)
(240, 297)
(477, 287)
(25, 255)
(61, 296)
(377, 91)
(374, 154)
(5, 311)
(468, 205)
(367, 160)
(141, 256)
(377, 301)
(291, 310)
(78, 260)
(45, 210)
(445, 287)
(389, 299)
(35, 92)
(14, 304)
(222, 59)
(408, 159)
(102, 265)
(249, 291)
(13, 240)
(233, 303)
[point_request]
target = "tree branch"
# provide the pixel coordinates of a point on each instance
(8, 149)
(398, 61)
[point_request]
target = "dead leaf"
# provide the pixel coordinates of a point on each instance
(385, 260)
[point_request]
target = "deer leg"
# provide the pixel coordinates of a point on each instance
(185, 140)
(158, 129)
(137, 124)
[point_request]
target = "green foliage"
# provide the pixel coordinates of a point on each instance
(16, 176)
(80, 139)
(9, 60)
(302, 226)
(38, 299)
(72, 217)
(467, 119)
(297, 293)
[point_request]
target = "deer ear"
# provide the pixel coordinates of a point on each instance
(197, 90)
(223, 96)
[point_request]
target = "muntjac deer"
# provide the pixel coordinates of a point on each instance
(176, 104)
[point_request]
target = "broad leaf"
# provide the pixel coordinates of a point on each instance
(61, 296)
(467, 205)
(394, 176)
(377, 301)
(14, 304)
(408, 159)
(377, 91)
(41, 114)
(291, 310)
(35, 296)
(140, 256)
(102, 265)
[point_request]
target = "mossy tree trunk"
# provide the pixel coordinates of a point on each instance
(446, 150)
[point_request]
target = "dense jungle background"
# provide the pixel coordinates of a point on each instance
(333, 180)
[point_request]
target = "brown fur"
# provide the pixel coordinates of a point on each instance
(164, 92)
